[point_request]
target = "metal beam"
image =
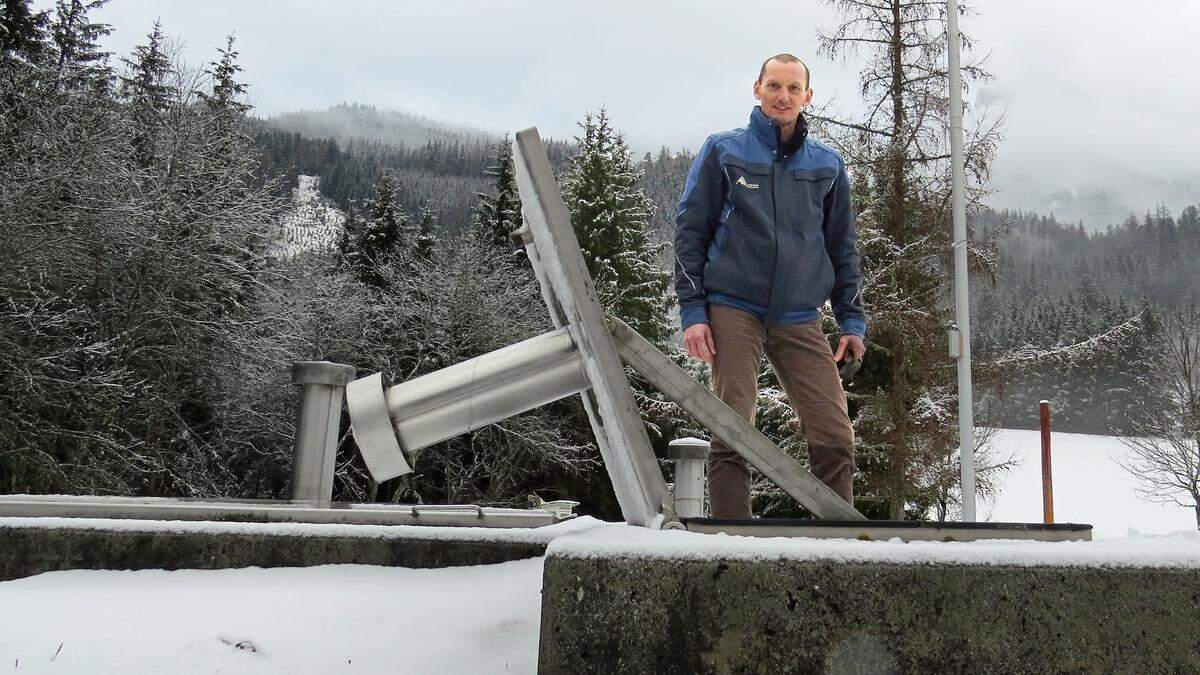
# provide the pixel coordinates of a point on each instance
(636, 477)
(263, 511)
(723, 421)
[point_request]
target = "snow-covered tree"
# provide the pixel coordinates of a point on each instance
(147, 93)
(498, 216)
(612, 216)
(22, 31)
(424, 241)
(382, 235)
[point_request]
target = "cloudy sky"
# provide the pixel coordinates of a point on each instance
(1098, 94)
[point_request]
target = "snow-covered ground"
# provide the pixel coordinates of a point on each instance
(329, 619)
(353, 618)
(1089, 487)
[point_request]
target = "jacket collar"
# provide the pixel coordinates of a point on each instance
(767, 131)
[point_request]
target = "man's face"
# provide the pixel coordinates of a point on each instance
(783, 91)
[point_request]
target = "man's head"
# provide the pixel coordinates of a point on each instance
(782, 88)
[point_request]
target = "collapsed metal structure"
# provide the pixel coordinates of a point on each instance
(585, 354)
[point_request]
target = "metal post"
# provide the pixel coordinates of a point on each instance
(962, 307)
(317, 421)
(689, 455)
(1047, 477)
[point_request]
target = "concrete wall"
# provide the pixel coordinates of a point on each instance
(25, 551)
(658, 615)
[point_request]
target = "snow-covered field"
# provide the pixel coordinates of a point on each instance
(1089, 487)
(329, 619)
(353, 618)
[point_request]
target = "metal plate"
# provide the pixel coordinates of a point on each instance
(883, 530)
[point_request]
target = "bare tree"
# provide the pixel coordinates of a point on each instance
(1164, 445)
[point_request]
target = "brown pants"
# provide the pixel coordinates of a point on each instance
(802, 361)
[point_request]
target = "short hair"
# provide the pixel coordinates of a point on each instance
(786, 58)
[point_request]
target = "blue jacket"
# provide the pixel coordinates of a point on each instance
(768, 232)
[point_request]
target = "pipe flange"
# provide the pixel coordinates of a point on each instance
(372, 429)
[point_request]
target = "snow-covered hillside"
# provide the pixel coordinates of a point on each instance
(310, 224)
(1089, 487)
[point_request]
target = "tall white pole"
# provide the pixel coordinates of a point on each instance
(962, 307)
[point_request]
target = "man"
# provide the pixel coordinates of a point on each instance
(765, 236)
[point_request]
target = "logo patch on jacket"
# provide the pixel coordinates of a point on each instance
(742, 181)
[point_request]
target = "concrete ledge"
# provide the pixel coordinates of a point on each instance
(30, 546)
(622, 611)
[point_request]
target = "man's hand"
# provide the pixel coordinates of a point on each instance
(699, 342)
(853, 342)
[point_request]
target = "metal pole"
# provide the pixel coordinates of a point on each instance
(1047, 477)
(317, 421)
(689, 455)
(962, 307)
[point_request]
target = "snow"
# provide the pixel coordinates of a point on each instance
(1179, 550)
(334, 618)
(534, 535)
(485, 619)
(1089, 487)
(310, 224)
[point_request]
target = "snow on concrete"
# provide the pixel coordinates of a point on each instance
(1089, 487)
(532, 535)
(1179, 550)
(335, 618)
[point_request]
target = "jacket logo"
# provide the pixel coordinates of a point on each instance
(742, 181)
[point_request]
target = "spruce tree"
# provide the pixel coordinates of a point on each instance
(79, 62)
(424, 240)
(21, 31)
(147, 93)
(611, 215)
(226, 95)
(498, 216)
(381, 237)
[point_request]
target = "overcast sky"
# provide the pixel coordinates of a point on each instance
(1097, 93)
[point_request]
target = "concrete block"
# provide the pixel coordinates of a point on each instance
(663, 615)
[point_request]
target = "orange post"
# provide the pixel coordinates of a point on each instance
(1047, 478)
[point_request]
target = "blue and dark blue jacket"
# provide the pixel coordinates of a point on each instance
(768, 229)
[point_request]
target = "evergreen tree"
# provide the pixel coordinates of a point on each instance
(80, 64)
(382, 236)
(424, 242)
(227, 92)
(147, 93)
(22, 31)
(611, 216)
(499, 216)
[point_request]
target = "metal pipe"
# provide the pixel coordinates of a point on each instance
(962, 306)
(1047, 477)
(485, 389)
(689, 455)
(317, 419)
